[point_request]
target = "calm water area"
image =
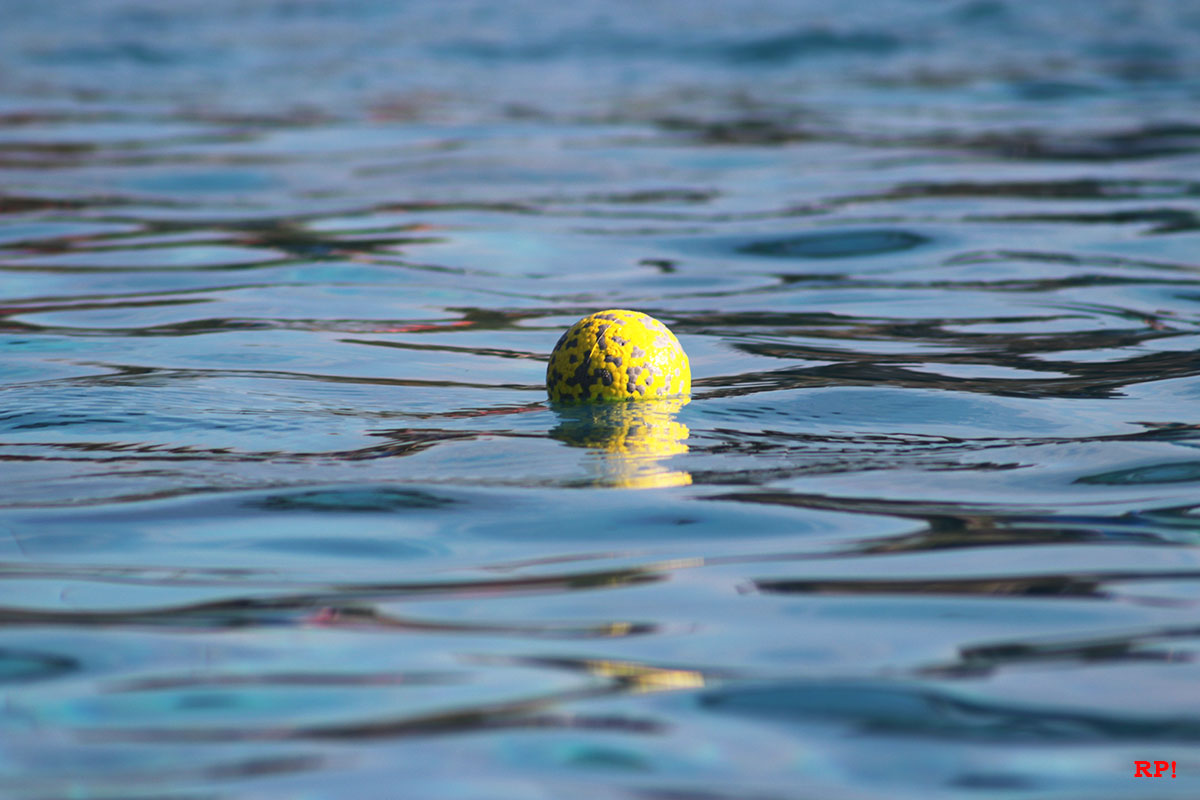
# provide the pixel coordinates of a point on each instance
(284, 510)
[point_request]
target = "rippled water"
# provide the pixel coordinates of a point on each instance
(286, 514)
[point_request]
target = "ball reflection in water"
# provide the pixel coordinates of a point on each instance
(631, 441)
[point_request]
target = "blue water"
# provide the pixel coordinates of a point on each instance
(284, 512)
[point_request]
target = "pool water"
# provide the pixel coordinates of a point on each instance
(284, 511)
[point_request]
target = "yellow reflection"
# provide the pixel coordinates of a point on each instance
(646, 679)
(631, 439)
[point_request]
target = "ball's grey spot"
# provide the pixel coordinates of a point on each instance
(581, 377)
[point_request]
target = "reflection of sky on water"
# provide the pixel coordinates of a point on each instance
(648, 57)
(284, 511)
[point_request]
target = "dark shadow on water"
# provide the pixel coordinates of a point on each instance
(1170, 472)
(21, 666)
(1146, 645)
(840, 244)
(922, 711)
(816, 245)
(1074, 585)
(379, 499)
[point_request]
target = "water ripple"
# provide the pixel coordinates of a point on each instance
(284, 509)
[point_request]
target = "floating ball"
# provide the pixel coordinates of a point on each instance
(617, 355)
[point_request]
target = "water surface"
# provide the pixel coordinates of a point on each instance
(284, 512)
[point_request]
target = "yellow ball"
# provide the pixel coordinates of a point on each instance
(617, 355)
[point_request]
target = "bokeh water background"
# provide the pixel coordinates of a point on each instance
(285, 514)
